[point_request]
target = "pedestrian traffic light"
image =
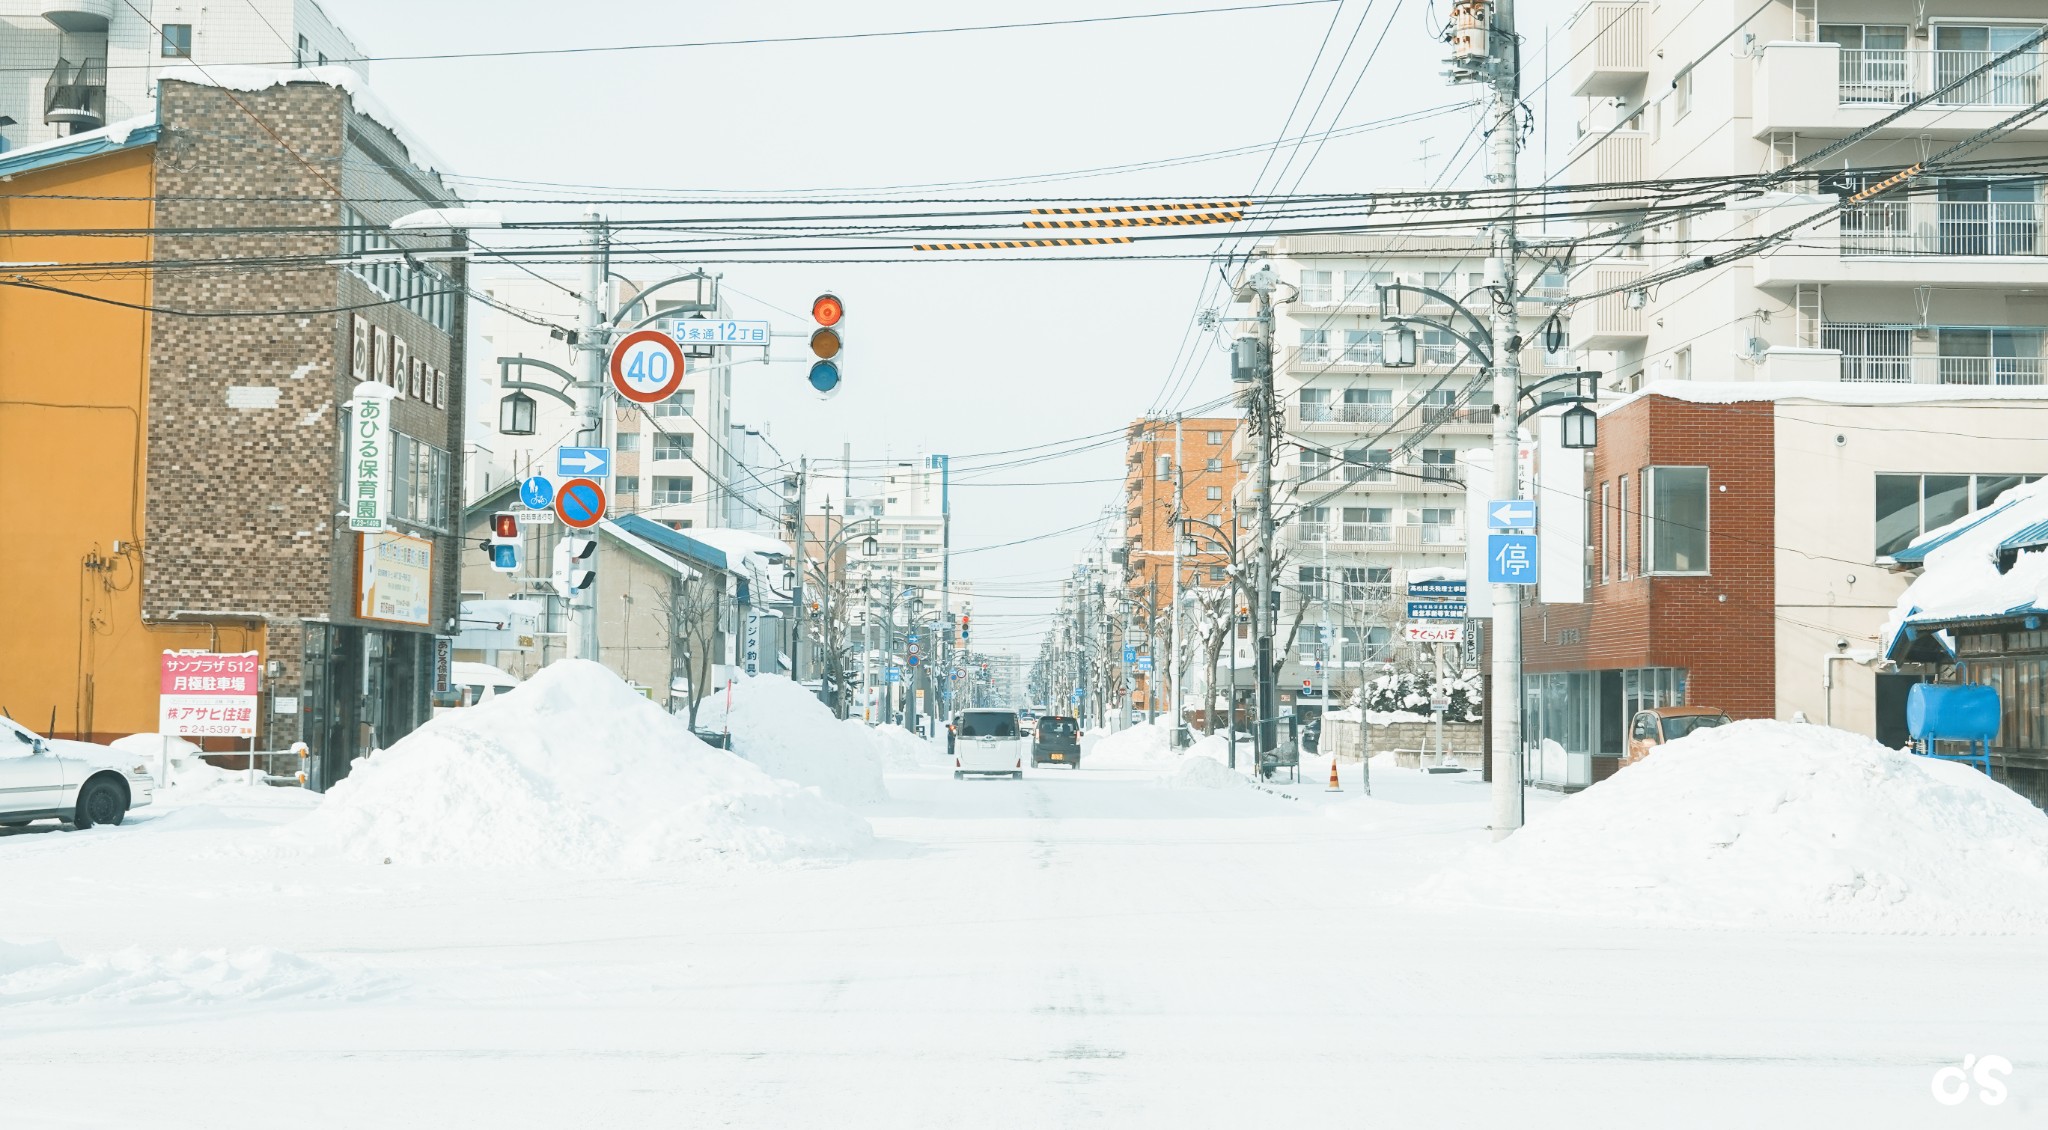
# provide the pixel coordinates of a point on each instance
(574, 568)
(504, 544)
(827, 311)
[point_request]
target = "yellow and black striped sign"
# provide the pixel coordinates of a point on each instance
(1019, 244)
(1102, 209)
(1229, 217)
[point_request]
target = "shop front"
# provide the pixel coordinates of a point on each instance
(1576, 722)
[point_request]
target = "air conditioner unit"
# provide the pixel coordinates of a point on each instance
(1753, 350)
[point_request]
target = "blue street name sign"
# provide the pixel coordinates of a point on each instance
(1511, 514)
(1511, 559)
(1076, 696)
(1436, 588)
(1436, 610)
(1144, 663)
(893, 675)
(537, 493)
(583, 462)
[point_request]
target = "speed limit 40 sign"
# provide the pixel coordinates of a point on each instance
(647, 366)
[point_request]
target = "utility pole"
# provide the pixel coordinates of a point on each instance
(1173, 623)
(594, 341)
(1504, 69)
(796, 588)
(945, 649)
(1262, 283)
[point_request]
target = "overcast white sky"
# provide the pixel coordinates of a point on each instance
(961, 358)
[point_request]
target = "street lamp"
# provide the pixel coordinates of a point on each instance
(515, 415)
(869, 547)
(1579, 428)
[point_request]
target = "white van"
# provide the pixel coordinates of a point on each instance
(988, 743)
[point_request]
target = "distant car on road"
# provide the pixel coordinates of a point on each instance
(988, 743)
(1058, 742)
(77, 782)
(1652, 728)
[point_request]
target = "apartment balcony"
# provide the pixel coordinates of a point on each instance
(1607, 49)
(1336, 357)
(1979, 371)
(1611, 321)
(1338, 417)
(76, 96)
(1995, 245)
(79, 17)
(1619, 156)
(1820, 90)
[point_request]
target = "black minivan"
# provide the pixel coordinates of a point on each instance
(1058, 742)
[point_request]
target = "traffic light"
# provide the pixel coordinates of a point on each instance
(504, 544)
(574, 569)
(963, 631)
(828, 312)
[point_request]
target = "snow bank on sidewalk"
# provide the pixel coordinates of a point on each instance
(40, 972)
(901, 749)
(572, 769)
(1773, 824)
(1144, 746)
(784, 729)
(187, 769)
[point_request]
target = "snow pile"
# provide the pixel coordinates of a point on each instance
(784, 729)
(42, 973)
(572, 769)
(1775, 824)
(1144, 746)
(184, 769)
(1204, 768)
(901, 749)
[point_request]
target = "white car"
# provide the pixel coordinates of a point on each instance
(989, 743)
(78, 782)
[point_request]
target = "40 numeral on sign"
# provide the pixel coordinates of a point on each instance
(647, 366)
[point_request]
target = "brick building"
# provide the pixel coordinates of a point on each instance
(209, 440)
(1740, 541)
(1203, 475)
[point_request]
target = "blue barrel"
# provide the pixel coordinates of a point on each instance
(1966, 712)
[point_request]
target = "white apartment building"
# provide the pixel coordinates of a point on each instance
(75, 65)
(1366, 482)
(673, 462)
(906, 502)
(1941, 280)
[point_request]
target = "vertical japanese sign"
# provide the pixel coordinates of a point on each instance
(209, 695)
(444, 664)
(753, 655)
(368, 465)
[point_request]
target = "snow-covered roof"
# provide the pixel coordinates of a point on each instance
(1854, 393)
(1978, 567)
(466, 674)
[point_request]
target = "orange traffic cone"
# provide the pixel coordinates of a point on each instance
(1334, 787)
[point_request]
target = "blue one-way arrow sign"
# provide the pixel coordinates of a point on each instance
(1511, 514)
(584, 462)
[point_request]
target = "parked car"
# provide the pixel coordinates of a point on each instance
(77, 782)
(1057, 742)
(1652, 728)
(987, 743)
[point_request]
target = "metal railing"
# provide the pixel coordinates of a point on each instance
(1944, 227)
(1342, 413)
(1888, 369)
(1875, 77)
(76, 95)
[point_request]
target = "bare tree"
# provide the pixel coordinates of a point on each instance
(690, 608)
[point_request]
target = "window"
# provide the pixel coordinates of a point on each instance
(1219, 573)
(1361, 347)
(1312, 579)
(1368, 523)
(625, 486)
(1315, 403)
(1438, 347)
(1438, 462)
(177, 42)
(1677, 526)
(683, 403)
(1315, 465)
(1681, 94)
(1213, 465)
(1440, 526)
(1369, 465)
(1310, 643)
(1315, 345)
(1990, 355)
(1872, 352)
(1215, 494)
(1911, 505)
(674, 447)
(1215, 438)
(1681, 364)
(1874, 65)
(1372, 583)
(299, 59)
(1364, 286)
(420, 483)
(323, 62)
(1314, 524)
(1315, 287)
(1621, 516)
(1605, 531)
(628, 441)
(426, 291)
(1368, 406)
(672, 489)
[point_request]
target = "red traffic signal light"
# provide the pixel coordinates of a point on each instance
(504, 525)
(826, 310)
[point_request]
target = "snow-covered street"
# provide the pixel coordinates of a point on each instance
(1087, 947)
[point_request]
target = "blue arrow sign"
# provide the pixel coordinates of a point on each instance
(1511, 514)
(1511, 559)
(583, 462)
(537, 493)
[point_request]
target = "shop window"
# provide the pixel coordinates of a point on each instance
(1677, 520)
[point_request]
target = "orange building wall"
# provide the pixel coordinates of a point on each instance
(1148, 509)
(73, 429)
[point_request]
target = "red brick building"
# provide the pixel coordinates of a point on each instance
(1205, 474)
